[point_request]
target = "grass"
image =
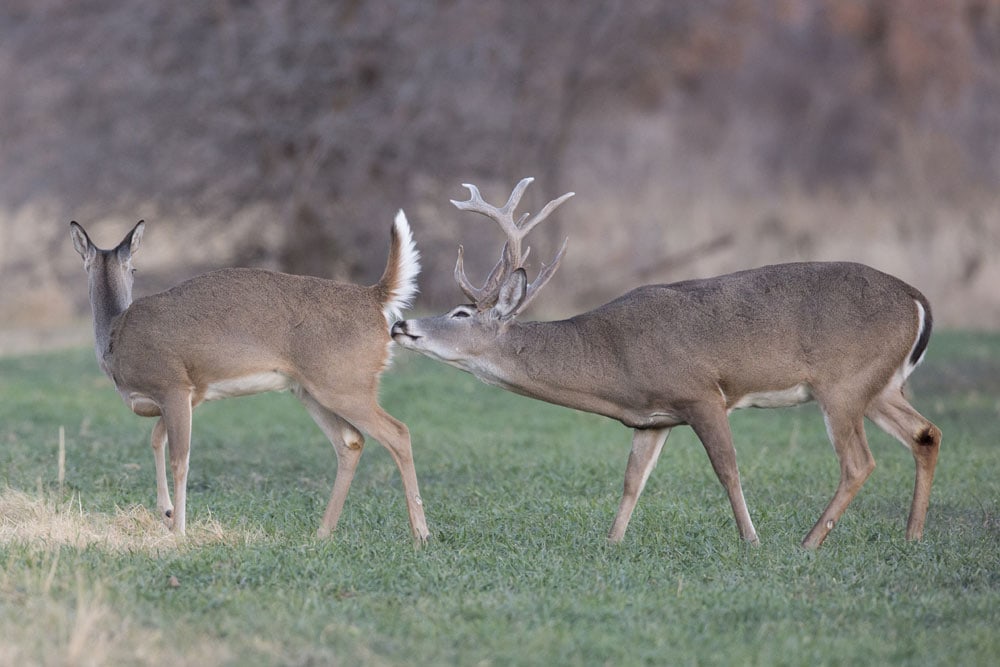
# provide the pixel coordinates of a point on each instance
(519, 496)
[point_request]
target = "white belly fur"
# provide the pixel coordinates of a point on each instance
(246, 385)
(779, 398)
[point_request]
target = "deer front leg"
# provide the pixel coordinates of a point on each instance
(163, 504)
(646, 447)
(177, 415)
(711, 424)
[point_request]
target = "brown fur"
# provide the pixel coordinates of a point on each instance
(240, 331)
(661, 356)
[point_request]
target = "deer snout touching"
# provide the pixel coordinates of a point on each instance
(401, 330)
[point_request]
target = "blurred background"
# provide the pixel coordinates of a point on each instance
(700, 138)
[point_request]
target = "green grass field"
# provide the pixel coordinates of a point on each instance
(519, 496)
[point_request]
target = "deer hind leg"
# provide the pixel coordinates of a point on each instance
(348, 444)
(367, 415)
(894, 415)
(177, 417)
(395, 436)
(711, 424)
(646, 447)
(845, 427)
(159, 442)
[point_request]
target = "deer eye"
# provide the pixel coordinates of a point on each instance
(460, 313)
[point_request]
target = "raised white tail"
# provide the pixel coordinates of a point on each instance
(399, 281)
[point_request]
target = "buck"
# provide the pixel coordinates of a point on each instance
(238, 331)
(842, 334)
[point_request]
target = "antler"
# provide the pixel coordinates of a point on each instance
(511, 258)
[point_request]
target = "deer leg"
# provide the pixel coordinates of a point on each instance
(711, 424)
(894, 415)
(845, 426)
(395, 437)
(177, 416)
(163, 504)
(646, 447)
(348, 444)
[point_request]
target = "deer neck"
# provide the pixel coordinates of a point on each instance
(110, 296)
(558, 362)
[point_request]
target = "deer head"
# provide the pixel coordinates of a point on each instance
(110, 272)
(463, 335)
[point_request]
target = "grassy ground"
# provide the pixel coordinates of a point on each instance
(519, 496)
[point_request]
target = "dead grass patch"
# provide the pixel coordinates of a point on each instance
(46, 522)
(46, 620)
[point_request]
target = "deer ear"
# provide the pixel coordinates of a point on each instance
(130, 244)
(512, 294)
(81, 241)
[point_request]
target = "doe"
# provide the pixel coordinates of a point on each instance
(235, 332)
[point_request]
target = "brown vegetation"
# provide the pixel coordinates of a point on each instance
(714, 136)
(52, 621)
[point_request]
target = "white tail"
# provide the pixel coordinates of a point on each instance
(401, 271)
(661, 356)
(235, 332)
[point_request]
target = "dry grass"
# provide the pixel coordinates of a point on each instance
(46, 624)
(54, 615)
(48, 521)
(45, 522)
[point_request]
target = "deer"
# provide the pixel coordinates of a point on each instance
(689, 353)
(240, 331)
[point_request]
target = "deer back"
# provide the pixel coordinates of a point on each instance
(756, 329)
(234, 322)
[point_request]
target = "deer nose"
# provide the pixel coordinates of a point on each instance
(401, 332)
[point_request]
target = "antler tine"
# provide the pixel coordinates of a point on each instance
(511, 258)
(544, 213)
(503, 216)
(485, 295)
(543, 277)
(491, 287)
(463, 281)
(476, 204)
(515, 196)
